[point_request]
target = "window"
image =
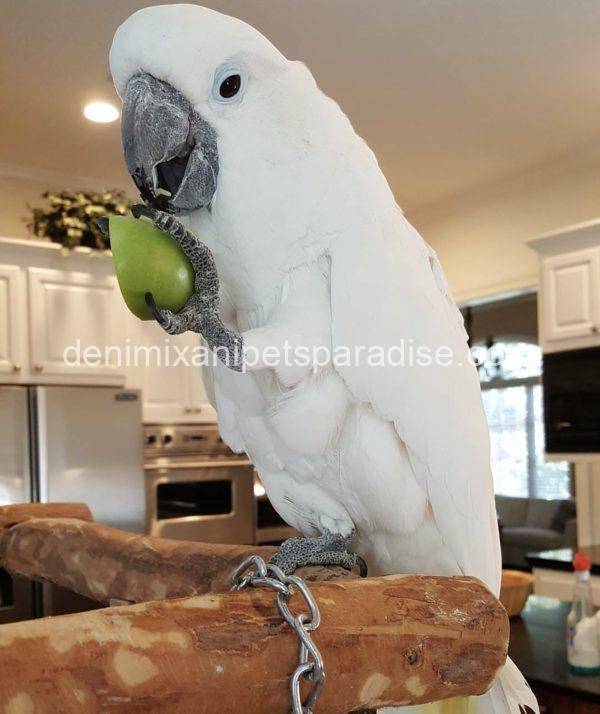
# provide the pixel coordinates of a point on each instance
(509, 372)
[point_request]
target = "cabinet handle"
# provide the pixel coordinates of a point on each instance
(594, 329)
(38, 367)
(188, 410)
(197, 410)
(16, 367)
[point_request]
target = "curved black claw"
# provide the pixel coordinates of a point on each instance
(363, 570)
(141, 209)
(153, 307)
(102, 224)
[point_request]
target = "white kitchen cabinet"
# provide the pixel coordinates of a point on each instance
(51, 301)
(163, 387)
(71, 325)
(569, 295)
(172, 391)
(13, 324)
(198, 407)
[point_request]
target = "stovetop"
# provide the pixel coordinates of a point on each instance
(185, 441)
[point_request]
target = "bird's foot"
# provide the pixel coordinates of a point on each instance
(327, 549)
(201, 311)
(206, 279)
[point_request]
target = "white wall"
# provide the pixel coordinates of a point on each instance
(480, 238)
(15, 194)
(21, 186)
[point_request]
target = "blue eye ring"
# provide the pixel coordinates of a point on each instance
(229, 83)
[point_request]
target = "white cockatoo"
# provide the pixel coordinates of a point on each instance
(373, 434)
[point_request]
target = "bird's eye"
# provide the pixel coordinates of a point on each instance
(230, 86)
(229, 83)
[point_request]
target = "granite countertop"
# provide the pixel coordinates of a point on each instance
(538, 648)
(562, 558)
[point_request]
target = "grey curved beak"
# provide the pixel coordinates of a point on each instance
(170, 150)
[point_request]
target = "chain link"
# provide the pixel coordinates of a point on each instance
(254, 572)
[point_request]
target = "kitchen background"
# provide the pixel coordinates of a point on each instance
(485, 119)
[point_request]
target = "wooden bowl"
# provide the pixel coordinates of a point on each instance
(515, 589)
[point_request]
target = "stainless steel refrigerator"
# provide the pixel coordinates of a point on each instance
(69, 444)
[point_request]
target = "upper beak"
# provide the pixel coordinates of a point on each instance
(170, 151)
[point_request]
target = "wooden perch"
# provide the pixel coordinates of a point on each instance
(19, 512)
(107, 564)
(386, 641)
(403, 639)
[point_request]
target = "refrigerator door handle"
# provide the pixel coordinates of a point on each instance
(37, 444)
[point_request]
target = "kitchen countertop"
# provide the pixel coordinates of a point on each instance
(562, 558)
(538, 648)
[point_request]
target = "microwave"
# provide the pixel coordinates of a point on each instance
(571, 383)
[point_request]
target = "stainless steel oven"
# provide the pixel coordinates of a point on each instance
(271, 529)
(196, 487)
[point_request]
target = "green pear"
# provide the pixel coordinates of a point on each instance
(148, 260)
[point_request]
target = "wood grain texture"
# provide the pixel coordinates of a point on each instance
(401, 639)
(19, 512)
(105, 563)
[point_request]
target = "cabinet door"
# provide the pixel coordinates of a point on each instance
(13, 324)
(161, 366)
(72, 325)
(163, 383)
(571, 297)
(198, 407)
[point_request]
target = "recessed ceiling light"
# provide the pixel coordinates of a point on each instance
(101, 112)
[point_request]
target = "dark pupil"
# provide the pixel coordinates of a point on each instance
(230, 86)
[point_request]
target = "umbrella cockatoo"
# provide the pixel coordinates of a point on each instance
(343, 367)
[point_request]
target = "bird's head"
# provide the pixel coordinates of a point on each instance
(204, 95)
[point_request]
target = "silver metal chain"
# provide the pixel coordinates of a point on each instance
(254, 572)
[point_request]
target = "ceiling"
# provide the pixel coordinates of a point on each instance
(451, 94)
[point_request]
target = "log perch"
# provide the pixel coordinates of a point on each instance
(19, 512)
(403, 639)
(107, 564)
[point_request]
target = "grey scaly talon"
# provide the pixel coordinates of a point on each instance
(201, 311)
(327, 549)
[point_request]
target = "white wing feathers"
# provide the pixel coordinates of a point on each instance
(387, 290)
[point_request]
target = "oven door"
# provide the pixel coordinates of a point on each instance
(212, 502)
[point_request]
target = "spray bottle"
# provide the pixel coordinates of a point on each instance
(583, 646)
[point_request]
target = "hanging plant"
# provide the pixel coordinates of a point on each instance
(70, 217)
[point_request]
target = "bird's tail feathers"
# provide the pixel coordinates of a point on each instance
(510, 693)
